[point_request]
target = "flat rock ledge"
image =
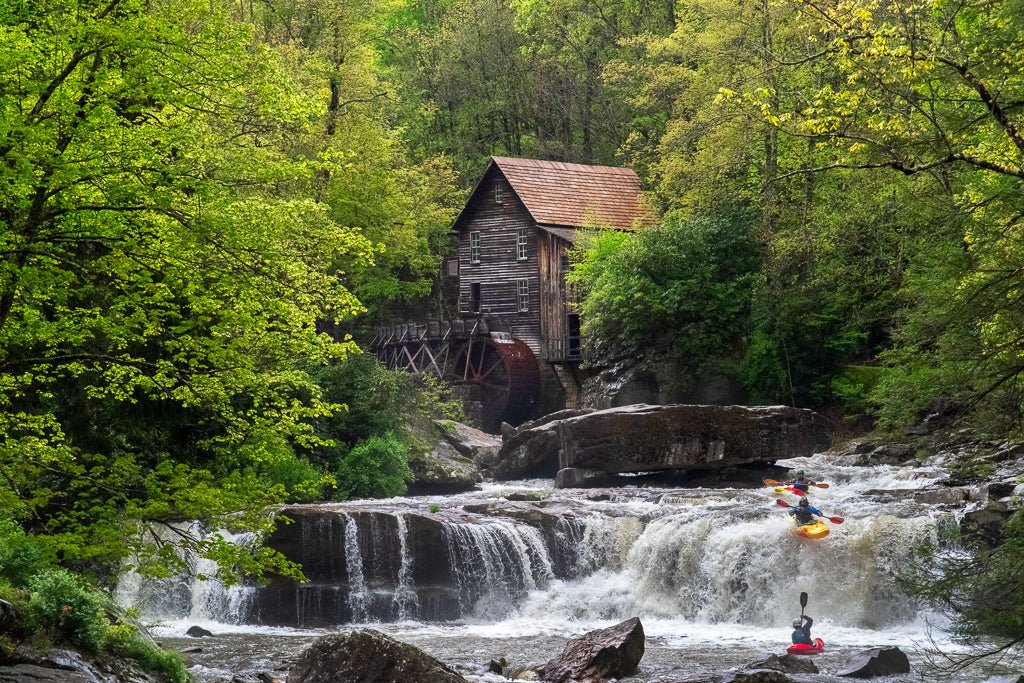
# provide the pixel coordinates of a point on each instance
(650, 438)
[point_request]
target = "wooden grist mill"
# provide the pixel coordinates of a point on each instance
(514, 351)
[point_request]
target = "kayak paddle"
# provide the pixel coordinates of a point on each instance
(772, 482)
(803, 604)
(783, 504)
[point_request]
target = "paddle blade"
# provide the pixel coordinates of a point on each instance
(803, 601)
(836, 520)
(771, 482)
(782, 504)
(822, 486)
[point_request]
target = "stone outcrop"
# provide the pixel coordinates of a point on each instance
(877, 661)
(368, 656)
(451, 463)
(600, 655)
(644, 438)
(67, 666)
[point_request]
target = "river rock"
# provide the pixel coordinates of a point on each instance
(67, 666)
(600, 655)
(762, 676)
(877, 661)
(786, 663)
(645, 438)
(198, 632)
(984, 521)
(446, 462)
(368, 656)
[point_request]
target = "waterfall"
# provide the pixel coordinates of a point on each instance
(706, 556)
(359, 598)
(406, 600)
(195, 593)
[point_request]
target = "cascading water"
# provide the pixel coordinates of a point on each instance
(714, 574)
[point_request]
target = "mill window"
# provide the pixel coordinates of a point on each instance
(521, 244)
(474, 246)
(523, 287)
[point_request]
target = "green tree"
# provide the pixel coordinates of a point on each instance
(932, 91)
(162, 273)
(683, 288)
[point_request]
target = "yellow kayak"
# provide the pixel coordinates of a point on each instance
(815, 530)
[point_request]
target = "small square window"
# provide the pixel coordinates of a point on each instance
(523, 287)
(474, 246)
(522, 242)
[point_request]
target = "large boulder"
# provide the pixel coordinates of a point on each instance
(448, 456)
(600, 655)
(368, 656)
(786, 663)
(645, 438)
(877, 661)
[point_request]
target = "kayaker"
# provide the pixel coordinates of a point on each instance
(800, 481)
(805, 512)
(802, 630)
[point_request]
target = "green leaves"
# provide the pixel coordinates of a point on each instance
(164, 270)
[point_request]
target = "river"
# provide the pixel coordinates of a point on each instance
(714, 574)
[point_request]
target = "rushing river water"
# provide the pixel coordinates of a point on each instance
(714, 575)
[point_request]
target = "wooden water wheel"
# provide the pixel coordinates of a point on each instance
(504, 375)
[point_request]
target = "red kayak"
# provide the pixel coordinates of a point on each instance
(801, 649)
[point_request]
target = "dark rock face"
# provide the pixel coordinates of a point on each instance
(368, 656)
(600, 655)
(7, 616)
(643, 438)
(877, 661)
(374, 564)
(786, 663)
(67, 666)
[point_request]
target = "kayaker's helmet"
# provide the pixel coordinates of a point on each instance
(804, 502)
(800, 472)
(797, 623)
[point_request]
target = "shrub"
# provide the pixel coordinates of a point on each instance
(301, 479)
(125, 641)
(64, 604)
(376, 467)
(20, 554)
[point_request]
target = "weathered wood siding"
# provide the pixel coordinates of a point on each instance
(500, 269)
(552, 301)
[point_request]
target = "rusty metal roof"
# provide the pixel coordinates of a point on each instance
(576, 195)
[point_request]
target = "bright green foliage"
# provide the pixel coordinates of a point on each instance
(932, 91)
(365, 175)
(62, 603)
(375, 468)
(682, 288)
(163, 271)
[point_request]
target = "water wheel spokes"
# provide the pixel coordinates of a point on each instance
(505, 376)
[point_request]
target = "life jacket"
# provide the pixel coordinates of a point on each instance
(803, 514)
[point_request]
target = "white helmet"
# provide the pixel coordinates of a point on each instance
(797, 623)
